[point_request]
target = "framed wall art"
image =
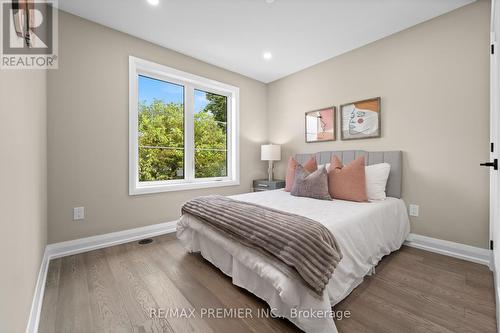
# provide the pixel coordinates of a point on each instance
(320, 125)
(361, 120)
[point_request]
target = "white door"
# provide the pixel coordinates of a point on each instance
(495, 146)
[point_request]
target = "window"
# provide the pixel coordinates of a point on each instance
(183, 130)
(210, 134)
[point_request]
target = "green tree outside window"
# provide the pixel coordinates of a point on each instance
(161, 140)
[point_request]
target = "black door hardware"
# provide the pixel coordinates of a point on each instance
(493, 164)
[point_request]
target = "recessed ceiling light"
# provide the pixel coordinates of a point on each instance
(154, 2)
(267, 55)
(269, 1)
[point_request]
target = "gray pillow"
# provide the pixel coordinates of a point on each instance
(311, 185)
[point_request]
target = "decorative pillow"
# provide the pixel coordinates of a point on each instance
(310, 166)
(347, 182)
(311, 185)
(376, 180)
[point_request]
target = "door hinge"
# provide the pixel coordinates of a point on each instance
(492, 147)
(491, 245)
(492, 48)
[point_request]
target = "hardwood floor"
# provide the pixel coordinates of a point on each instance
(113, 290)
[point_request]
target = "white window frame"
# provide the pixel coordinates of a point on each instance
(190, 82)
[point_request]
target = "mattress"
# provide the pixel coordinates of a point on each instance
(365, 233)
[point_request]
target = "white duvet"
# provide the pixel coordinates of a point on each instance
(365, 233)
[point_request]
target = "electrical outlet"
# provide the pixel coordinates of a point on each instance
(78, 213)
(414, 210)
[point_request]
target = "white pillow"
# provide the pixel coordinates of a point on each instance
(327, 166)
(376, 180)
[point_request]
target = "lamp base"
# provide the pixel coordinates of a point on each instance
(270, 171)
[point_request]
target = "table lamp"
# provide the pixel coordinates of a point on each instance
(270, 153)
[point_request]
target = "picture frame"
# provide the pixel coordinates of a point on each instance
(321, 125)
(361, 119)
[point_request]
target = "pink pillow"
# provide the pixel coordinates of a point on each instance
(309, 166)
(347, 182)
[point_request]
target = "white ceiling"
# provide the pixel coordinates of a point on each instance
(233, 34)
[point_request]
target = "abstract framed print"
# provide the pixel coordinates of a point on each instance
(361, 120)
(320, 125)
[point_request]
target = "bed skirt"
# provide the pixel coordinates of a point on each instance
(248, 273)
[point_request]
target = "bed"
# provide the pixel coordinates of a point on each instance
(365, 232)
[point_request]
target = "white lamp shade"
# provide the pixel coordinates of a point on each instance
(270, 152)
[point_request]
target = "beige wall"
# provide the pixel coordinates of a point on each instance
(434, 84)
(23, 175)
(432, 78)
(88, 131)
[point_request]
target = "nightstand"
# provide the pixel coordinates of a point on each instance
(266, 185)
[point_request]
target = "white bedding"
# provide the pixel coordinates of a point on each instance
(365, 233)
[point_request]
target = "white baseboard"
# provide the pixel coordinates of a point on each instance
(447, 248)
(36, 304)
(62, 249)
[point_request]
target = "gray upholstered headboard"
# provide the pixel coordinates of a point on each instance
(393, 188)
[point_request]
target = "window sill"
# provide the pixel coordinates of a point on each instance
(159, 188)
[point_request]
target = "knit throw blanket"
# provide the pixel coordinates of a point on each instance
(297, 246)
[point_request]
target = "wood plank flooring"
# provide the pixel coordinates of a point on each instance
(113, 290)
